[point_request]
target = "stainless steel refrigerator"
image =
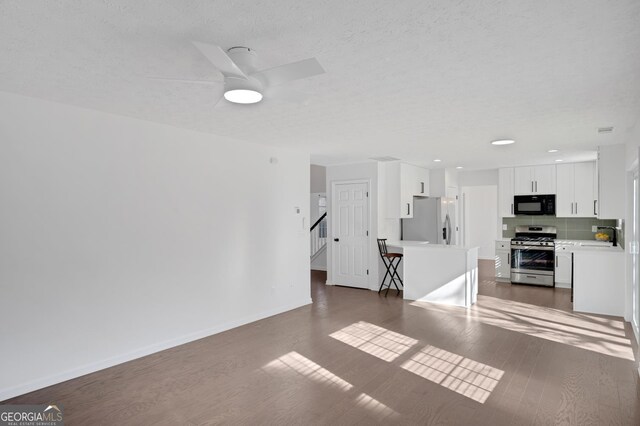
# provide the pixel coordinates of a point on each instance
(434, 220)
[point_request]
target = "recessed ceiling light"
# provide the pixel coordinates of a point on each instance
(553, 150)
(459, 167)
(558, 161)
(437, 160)
(243, 96)
(503, 142)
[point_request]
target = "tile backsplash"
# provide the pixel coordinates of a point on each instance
(568, 228)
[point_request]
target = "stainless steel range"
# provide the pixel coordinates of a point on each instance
(532, 255)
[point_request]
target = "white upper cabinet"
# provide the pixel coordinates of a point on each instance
(506, 191)
(421, 181)
(523, 180)
(404, 181)
(575, 196)
(545, 179)
(565, 188)
(534, 180)
(611, 182)
(585, 199)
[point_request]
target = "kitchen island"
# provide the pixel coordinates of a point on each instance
(438, 273)
(598, 278)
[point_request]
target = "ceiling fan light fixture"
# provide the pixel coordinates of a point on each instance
(243, 96)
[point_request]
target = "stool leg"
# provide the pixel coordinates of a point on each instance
(393, 281)
(395, 273)
(385, 275)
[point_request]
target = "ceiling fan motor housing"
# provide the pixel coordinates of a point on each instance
(244, 58)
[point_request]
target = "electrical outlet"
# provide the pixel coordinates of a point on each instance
(594, 229)
(505, 227)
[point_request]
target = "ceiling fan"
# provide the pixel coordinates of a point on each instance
(243, 83)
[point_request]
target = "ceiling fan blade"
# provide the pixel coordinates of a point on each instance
(179, 80)
(286, 94)
(220, 60)
(289, 72)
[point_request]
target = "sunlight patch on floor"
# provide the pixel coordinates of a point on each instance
(593, 333)
(377, 408)
(455, 372)
(293, 361)
(374, 340)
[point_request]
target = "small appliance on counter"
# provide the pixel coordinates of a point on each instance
(533, 255)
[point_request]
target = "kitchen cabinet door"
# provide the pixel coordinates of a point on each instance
(408, 187)
(422, 182)
(563, 268)
(545, 179)
(565, 190)
(503, 265)
(584, 199)
(523, 180)
(505, 192)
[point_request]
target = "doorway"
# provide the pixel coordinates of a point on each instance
(350, 234)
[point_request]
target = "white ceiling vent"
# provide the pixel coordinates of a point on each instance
(605, 129)
(384, 158)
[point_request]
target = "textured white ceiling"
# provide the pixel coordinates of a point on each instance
(416, 80)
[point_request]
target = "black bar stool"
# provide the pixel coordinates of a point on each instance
(391, 262)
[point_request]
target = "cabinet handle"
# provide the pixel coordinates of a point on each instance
(576, 207)
(422, 187)
(508, 258)
(572, 207)
(408, 208)
(536, 186)
(511, 208)
(594, 207)
(532, 186)
(556, 260)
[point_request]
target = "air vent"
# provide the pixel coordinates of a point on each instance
(605, 129)
(384, 158)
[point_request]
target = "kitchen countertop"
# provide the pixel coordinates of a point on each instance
(426, 245)
(589, 245)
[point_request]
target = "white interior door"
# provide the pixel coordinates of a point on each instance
(350, 218)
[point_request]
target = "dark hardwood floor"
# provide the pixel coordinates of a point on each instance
(519, 357)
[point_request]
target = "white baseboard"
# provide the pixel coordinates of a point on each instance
(141, 352)
(318, 268)
(563, 285)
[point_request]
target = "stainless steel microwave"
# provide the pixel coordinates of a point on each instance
(535, 204)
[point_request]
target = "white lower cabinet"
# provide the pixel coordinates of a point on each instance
(503, 261)
(563, 266)
(599, 281)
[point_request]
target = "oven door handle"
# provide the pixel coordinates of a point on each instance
(541, 248)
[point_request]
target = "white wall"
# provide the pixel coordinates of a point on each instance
(480, 205)
(318, 178)
(478, 177)
(121, 237)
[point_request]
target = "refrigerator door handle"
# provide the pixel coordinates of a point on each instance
(446, 231)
